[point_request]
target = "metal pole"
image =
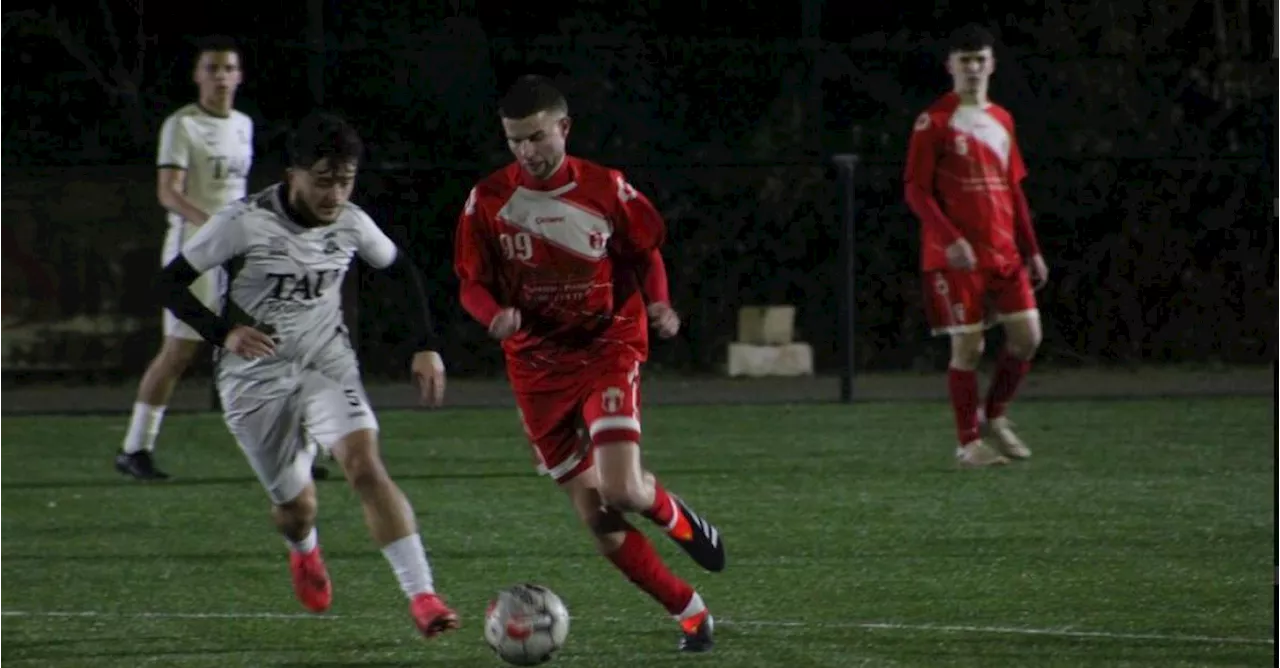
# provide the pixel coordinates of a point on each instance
(1275, 178)
(847, 164)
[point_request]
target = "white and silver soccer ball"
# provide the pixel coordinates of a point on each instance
(526, 624)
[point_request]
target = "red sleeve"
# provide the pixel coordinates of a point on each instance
(1017, 168)
(473, 263)
(1024, 231)
(638, 227)
(653, 278)
(922, 158)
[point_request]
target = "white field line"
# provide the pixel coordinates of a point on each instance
(873, 626)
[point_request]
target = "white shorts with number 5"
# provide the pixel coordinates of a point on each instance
(280, 422)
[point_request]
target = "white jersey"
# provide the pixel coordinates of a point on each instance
(215, 151)
(286, 279)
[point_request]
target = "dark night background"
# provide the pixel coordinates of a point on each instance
(1149, 131)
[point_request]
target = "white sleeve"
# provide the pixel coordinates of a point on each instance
(221, 238)
(375, 247)
(174, 151)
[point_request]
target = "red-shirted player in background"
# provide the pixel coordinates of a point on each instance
(978, 249)
(558, 257)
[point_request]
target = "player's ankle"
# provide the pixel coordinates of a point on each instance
(306, 544)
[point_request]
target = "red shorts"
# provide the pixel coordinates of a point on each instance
(971, 301)
(596, 406)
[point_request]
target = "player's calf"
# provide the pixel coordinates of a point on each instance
(628, 550)
(620, 469)
(391, 523)
(135, 457)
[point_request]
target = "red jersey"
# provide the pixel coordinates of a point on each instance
(966, 158)
(564, 252)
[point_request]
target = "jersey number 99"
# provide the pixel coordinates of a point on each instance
(518, 246)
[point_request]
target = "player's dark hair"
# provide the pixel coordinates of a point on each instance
(323, 135)
(529, 95)
(972, 37)
(216, 44)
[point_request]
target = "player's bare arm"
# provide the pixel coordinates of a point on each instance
(174, 286)
(170, 185)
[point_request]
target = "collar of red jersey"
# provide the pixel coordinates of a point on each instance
(563, 177)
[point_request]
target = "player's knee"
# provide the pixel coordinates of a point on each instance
(358, 456)
(298, 514)
(365, 473)
(966, 350)
(608, 526)
(624, 492)
(177, 354)
(1024, 341)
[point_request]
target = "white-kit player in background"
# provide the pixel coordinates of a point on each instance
(287, 375)
(206, 150)
(203, 164)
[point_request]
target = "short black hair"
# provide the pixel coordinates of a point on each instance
(216, 44)
(529, 95)
(972, 37)
(324, 135)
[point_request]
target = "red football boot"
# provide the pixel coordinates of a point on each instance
(311, 580)
(431, 615)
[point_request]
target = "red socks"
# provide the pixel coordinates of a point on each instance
(663, 510)
(637, 559)
(1009, 374)
(664, 513)
(964, 401)
(964, 393)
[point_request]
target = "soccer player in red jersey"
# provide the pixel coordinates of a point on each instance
(979, 253)
(558, 257)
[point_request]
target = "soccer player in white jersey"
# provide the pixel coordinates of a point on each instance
(206, 150)
(286, 372)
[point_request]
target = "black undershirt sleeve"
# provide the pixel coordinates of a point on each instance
(173, 287)
(412, 300)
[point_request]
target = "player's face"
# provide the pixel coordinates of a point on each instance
(321, 191)
(218, 75)
(971, 70)
(537, 141)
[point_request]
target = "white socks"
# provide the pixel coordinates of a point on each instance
(143, 428)
(409, 561)
(695, 607)
(306, 545)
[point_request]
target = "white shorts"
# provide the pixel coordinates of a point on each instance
(209, 288)
(282, 423)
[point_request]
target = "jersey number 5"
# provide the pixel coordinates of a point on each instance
(518, 246)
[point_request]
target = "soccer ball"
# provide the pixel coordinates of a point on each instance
(526, 624)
